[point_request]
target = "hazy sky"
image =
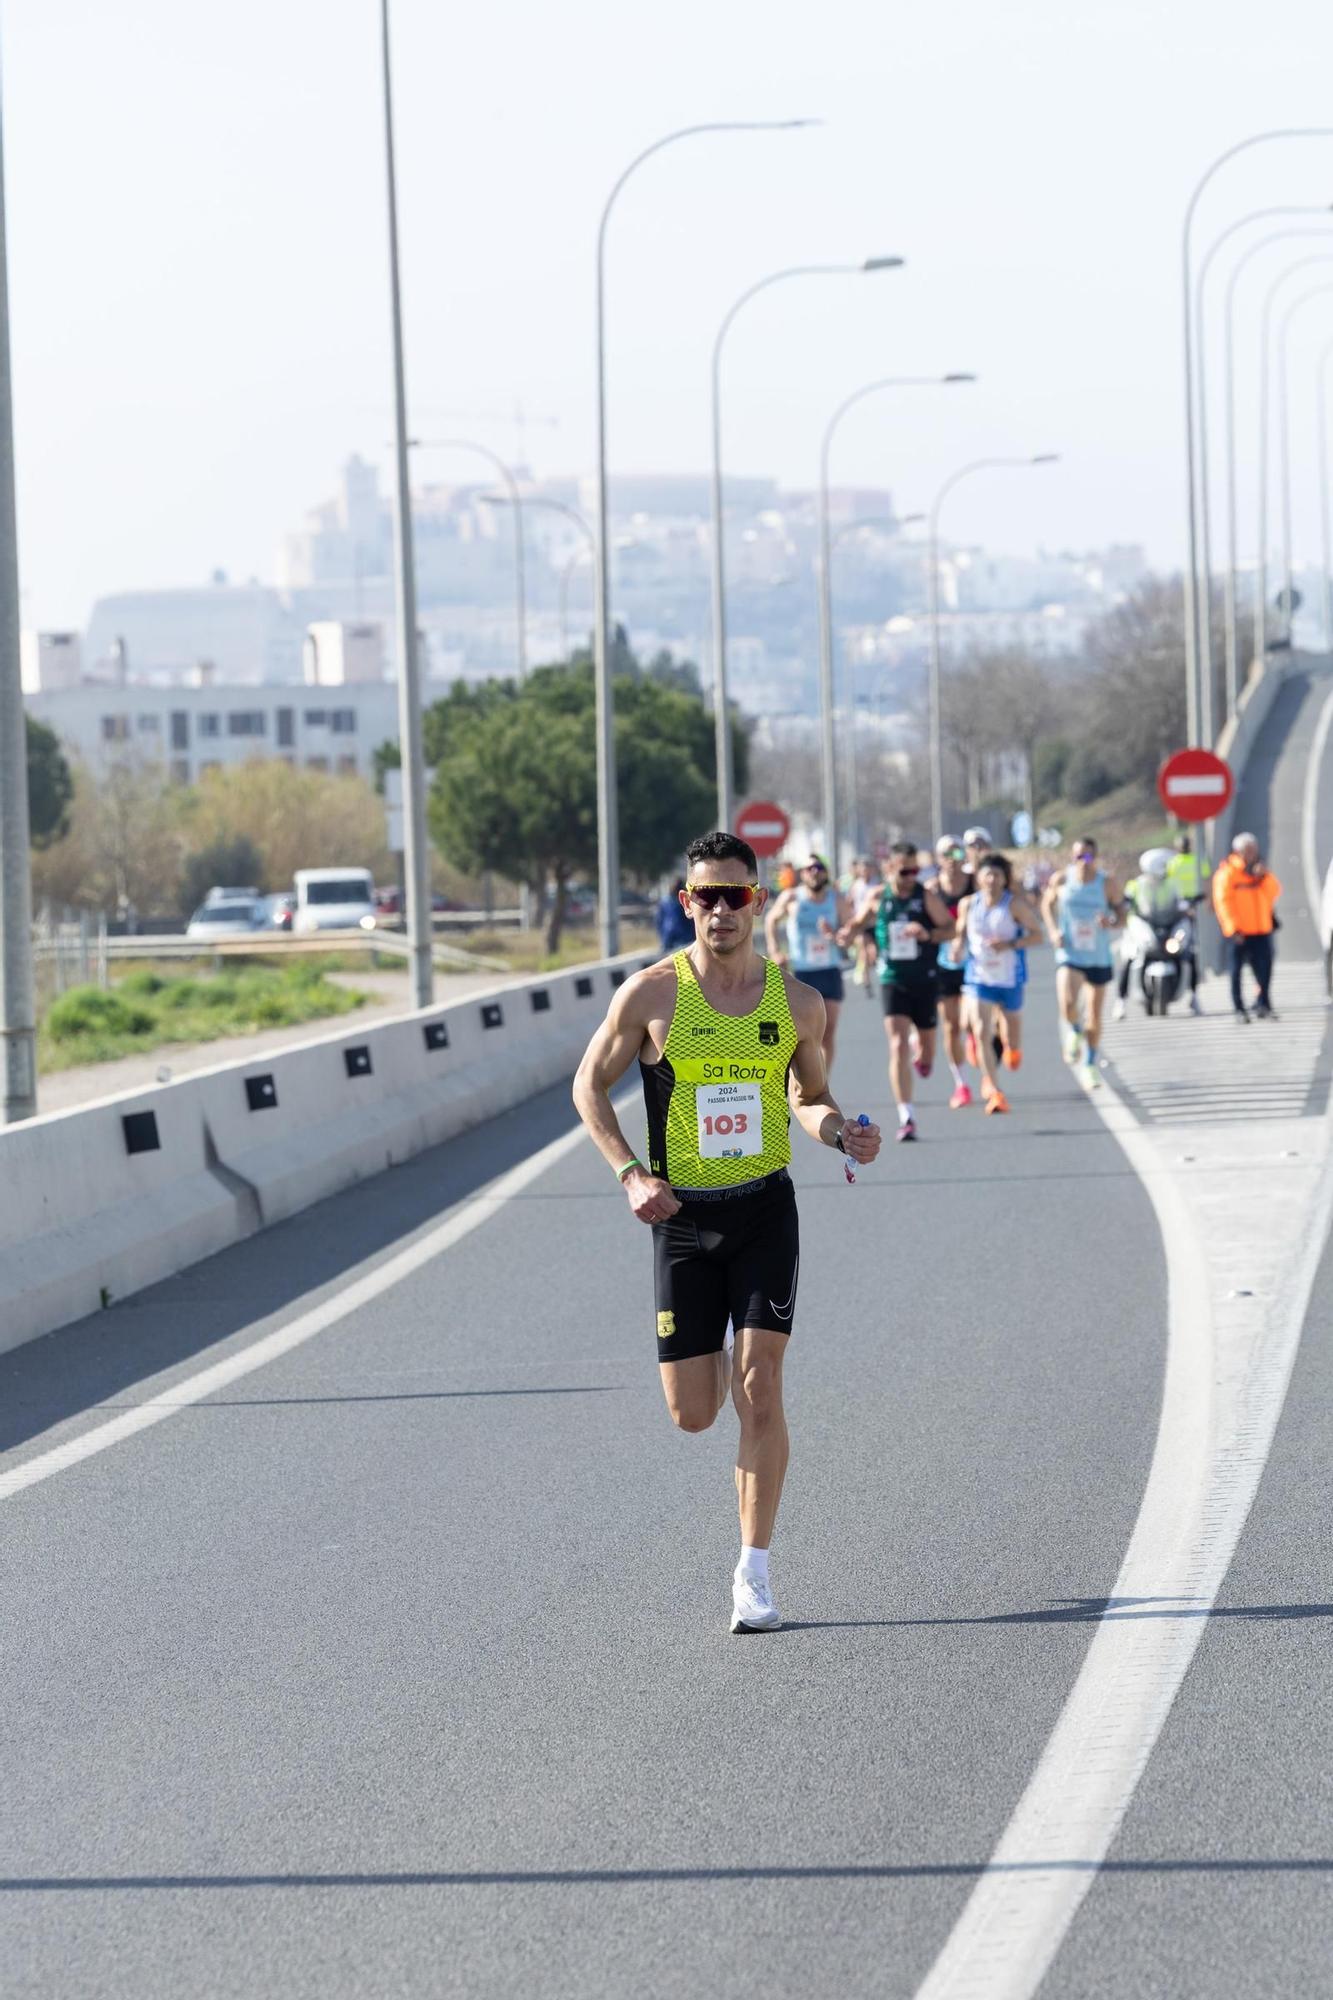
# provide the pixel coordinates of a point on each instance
(197, 260)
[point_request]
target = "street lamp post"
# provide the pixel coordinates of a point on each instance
(512, 499)
(1232, 592)
(1206, 263)
(1194, 637)
(853, 770)
(1284, 436)
(1265, 352)
(1325, 539)
(516, 502)
(826, 675)
(608, 817)
(933, 586)
(415, 850)
(18, 1031)
(721, 713)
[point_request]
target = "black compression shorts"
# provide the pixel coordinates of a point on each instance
(715, 1261)
(949, 981)
(916, 1001)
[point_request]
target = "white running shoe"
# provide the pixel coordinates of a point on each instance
(1072, 1039)
(1118, 1011)
(752, 1606)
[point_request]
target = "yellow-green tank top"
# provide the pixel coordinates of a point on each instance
(717, 1099)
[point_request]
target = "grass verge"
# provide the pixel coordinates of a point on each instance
(146, 1009)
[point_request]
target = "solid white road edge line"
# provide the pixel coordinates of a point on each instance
(470, 1215)
(1209, 1456)
(1314, 881)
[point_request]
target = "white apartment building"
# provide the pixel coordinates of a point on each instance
(49, 660)
(197, 729)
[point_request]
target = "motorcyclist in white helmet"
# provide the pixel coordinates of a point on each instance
(1153, 896)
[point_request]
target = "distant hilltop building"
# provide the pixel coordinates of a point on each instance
(243, 628)
(50, 660)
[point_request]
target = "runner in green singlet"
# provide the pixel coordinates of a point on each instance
(908, 921)
(727, 1043)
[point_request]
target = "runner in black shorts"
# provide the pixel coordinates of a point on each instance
(952, 883)
(909, 922)
(729, 1045)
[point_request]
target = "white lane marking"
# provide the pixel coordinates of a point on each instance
(479, 1208)
(1213, 1440)
(1314, 881)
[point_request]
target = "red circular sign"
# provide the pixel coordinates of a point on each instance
(765, 826)
(1194, 784)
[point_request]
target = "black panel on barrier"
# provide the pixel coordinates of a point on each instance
(261, 1093)
(357, 1061)
(492, 1015)
(140, 1129)
(583, 987)
(436, 1034)
(541, 1000)
(617, 975)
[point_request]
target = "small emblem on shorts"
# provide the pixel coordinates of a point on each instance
(768, 1033)
(666, 1326)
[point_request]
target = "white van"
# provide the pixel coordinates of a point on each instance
(334, 899)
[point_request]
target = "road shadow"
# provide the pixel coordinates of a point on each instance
(563, 1878)
(1076, 1611)
(93, 1361)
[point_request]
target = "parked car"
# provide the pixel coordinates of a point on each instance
(223, 920)
(220, 895)
(334, 899)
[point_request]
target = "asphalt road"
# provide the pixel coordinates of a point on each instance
(1219, 1881)
(401, 1665)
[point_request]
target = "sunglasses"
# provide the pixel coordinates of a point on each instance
(813, 870)
(734, 894)
(909, 870)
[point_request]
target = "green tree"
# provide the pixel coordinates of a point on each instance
(230, 860)
(50, 785)
(516, 777)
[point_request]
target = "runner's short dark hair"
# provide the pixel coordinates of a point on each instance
(722, 847)
(1000, 861)
(904, 849)
(1086, 840)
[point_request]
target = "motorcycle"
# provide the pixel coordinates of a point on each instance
(1161, 949)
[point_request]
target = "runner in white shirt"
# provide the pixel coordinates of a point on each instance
(866, 886)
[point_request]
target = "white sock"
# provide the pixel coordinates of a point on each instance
(904, 1113)
(956, 1072)
(754, 1562)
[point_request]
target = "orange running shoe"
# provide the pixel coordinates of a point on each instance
(996, 1102)
(1013, 1058)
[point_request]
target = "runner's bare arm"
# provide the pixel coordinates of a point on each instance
(960, 922)
(1050, 909)
(1032, 929)
(1115, 896)
(621, 1038)
(865, 922)
(940, 916)
(812, 1101)
(777, 913)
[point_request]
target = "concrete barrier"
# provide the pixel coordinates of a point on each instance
(103, 1200)
(1241, 734)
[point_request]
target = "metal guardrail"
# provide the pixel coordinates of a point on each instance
(274, 943)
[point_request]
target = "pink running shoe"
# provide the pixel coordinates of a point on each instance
(907, 1130)
(961, 1098)
(921, 1067)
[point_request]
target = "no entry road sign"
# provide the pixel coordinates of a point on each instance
(1196, 785)
(765, 826)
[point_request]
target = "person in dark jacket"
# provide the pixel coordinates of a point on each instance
(674, 927)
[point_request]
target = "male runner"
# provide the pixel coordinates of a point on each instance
(952, 883)
(1081, 908)
(865, 890)
(720, 1034)
(908, 922)
(809, 918)
(997, 926)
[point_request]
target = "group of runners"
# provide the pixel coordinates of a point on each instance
(950, 953)
(732, 1046)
